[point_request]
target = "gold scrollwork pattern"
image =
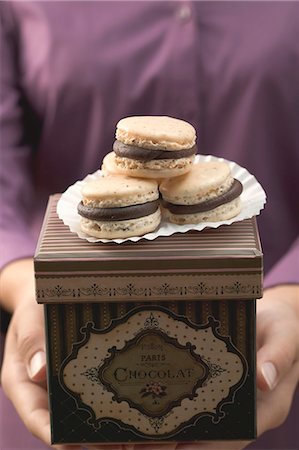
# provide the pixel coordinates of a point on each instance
(118, 288)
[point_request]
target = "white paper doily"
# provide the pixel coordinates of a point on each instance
(253, 199)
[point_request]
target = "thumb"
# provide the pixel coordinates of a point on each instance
(31, 340)
(276, 356)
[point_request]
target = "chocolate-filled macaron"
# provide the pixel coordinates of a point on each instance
(152, 147)
(119, 207)
(208, 193)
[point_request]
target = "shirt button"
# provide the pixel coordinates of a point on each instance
(184, 13)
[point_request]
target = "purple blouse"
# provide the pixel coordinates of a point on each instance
(71, 70)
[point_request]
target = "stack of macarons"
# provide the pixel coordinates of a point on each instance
(152, 147)
(154, 156)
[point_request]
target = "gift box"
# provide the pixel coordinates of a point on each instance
(151, 341)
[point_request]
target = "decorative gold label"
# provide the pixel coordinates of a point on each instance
(153, 373)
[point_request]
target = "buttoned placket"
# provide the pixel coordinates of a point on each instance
(184, 67)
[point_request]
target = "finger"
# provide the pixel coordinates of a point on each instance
(273, 406)
(30, 337)
(279, 350)
(29, 399)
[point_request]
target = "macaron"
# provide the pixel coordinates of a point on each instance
(119, 207)
(208, 193)
(152, 147)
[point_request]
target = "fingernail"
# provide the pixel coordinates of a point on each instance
(36, 364)
(270, 374)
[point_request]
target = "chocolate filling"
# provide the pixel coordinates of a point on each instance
(234, 192)
(121, 213)
(145, 154)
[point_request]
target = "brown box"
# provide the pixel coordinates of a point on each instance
(150, 341)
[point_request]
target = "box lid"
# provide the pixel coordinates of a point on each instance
(213, 264)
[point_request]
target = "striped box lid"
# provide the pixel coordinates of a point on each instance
(215, 263)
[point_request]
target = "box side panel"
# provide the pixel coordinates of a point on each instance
(211, 264)
(69, 325)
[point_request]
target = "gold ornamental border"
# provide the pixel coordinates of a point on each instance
(205, 286)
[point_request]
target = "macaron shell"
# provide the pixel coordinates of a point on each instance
(155, 169)
(223, 212)
(203, 180)
(162, 132)
(121, 229)
(115, 191)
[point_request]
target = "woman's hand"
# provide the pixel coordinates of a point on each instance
(23, 374)
(278, 354)
(24, 368)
